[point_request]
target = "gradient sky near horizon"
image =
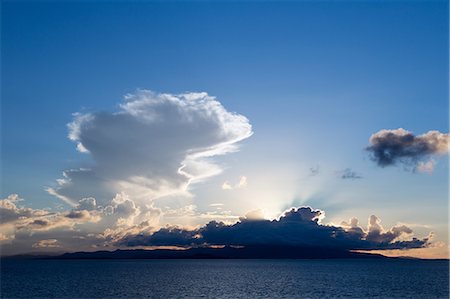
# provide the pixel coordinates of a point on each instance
(314, 79)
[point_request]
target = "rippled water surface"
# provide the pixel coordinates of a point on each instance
(224, 279)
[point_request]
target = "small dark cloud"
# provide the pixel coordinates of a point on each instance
(394, 147)
(299, 227)
(78, 214)
(348, 173)
(313, 171)
(39, 222)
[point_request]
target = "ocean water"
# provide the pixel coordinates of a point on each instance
(224, 279)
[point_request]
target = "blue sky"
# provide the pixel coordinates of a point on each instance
(314, 79)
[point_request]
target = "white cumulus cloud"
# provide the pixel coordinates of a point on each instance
(241, 184)
(153, 145)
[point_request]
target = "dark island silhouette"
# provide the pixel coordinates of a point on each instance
(227, 252)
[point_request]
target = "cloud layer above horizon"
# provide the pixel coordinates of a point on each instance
(88, 227)
(297, 227)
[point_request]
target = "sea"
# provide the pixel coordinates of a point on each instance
(335, 278)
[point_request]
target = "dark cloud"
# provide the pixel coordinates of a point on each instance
(297, 227)
(165, 237)
(39, 222)
(392, 147)
(313, 171)
(348, 173)
(78, 214)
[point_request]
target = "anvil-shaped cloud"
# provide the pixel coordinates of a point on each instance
(154, 145)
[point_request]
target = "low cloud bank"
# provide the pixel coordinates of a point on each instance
(297, 227)
(122, 224)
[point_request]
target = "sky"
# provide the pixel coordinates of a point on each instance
(120, 120)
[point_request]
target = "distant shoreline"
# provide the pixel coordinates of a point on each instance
(250, 252)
